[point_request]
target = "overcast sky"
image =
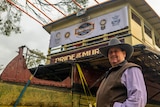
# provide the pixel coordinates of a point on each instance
(35, 37)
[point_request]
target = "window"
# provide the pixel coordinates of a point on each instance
(157, 40)
(147, 30)
(136, 19)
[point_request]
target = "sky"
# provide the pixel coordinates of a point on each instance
(34, 37)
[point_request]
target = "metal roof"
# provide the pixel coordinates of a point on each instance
(147, 12)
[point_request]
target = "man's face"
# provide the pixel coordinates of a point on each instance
(116, 56)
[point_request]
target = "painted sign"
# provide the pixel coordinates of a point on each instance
(97, 26)
(74, 56)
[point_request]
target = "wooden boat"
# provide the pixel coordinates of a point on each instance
(74, 62)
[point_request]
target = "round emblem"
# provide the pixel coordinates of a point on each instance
(58, 35)
(58, 38)
(103, 21)
(67, 35)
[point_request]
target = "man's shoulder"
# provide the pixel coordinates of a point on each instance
(130, 64)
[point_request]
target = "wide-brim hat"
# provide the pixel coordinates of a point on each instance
(114, 42)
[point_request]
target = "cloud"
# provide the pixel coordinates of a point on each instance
(33, 36)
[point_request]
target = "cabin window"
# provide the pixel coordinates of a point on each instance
(157, 40)
(147, 30)
(136, 19)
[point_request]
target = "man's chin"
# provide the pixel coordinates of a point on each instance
(114, 63)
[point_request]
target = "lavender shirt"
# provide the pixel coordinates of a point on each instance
(133, 79)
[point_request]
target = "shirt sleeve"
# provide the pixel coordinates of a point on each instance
(133, 79)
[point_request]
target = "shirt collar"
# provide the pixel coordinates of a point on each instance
(115, 68)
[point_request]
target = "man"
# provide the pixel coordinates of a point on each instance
(124, 85)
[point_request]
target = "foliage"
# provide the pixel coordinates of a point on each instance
(10, 16)
(9, 19)
(1, 67)
(71, 6)
(34, 58)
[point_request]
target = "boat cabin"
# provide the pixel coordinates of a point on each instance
(77, 38)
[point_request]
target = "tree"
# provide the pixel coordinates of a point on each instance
(1, 67)
(34, 58)
(10, 16)
(9, 19)
(71, 6)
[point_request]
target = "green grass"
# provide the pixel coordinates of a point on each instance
(33, 96)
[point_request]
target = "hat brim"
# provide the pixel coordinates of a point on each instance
(126, 47)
